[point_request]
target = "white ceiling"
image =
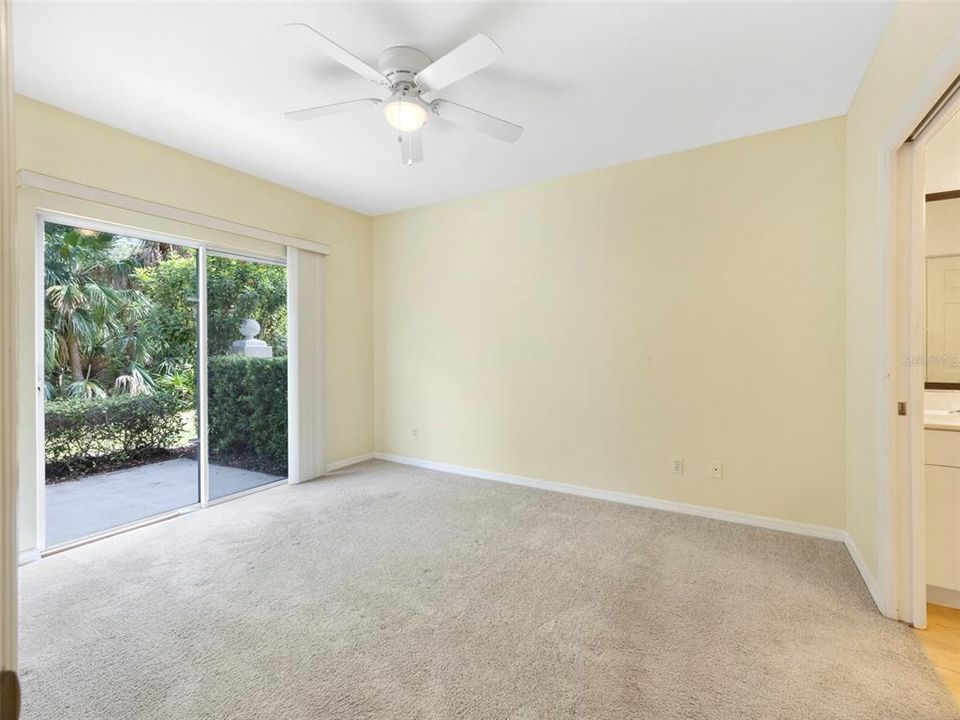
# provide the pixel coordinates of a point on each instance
(593, 84)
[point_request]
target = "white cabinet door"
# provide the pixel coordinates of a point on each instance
(942, 447)
(943, 526)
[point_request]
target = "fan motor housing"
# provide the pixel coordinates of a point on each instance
(401, 64)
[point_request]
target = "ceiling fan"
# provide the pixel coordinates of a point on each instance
(412, 80)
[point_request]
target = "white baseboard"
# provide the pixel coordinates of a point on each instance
(339, 464)
(943, 596)
(865, 573)
(28, 556)
(818, 531)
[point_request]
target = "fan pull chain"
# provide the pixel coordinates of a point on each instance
(400, 121)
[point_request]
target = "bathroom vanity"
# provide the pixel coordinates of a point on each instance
(942, 473)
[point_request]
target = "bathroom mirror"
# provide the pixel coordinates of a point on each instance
(943, 291)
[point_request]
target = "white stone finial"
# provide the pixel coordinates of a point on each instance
(249, 328)
(249, 346)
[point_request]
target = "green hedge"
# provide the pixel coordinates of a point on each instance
(247, 417)
(247, 412)
(83, 436)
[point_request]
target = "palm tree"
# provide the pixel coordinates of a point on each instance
(92, 310)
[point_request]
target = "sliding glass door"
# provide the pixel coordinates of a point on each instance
(246, 373)
(119, 375)
(132, 428)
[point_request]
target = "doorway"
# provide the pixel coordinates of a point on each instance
(164, 378)
(926, 336)
(928, 302)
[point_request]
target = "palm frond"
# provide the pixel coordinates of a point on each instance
(85, 388)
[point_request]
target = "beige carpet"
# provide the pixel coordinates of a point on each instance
(393, 592)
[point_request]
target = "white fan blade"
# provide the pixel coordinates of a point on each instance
(475, 54)
(334, 109)
(411, 147)
(344, 57)
(480, 121)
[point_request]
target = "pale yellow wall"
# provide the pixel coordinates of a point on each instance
(64, 145)
(586, 329)
(912, 42)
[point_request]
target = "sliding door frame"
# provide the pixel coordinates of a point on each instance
(204, 250)
(203, 451)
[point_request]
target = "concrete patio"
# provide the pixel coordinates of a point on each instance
(76, 508)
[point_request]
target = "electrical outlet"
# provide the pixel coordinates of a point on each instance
(416, 433)
(716, 469)
(676, 466)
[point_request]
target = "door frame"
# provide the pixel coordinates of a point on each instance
(901, 488)
(204, 249)
(9, 689)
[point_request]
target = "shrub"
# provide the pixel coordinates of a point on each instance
(171, 323)
(247, 411)
(237, 289)
(105, 433)
(182, 385)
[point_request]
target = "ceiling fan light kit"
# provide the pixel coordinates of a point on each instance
(405, 111)
(408, 74)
